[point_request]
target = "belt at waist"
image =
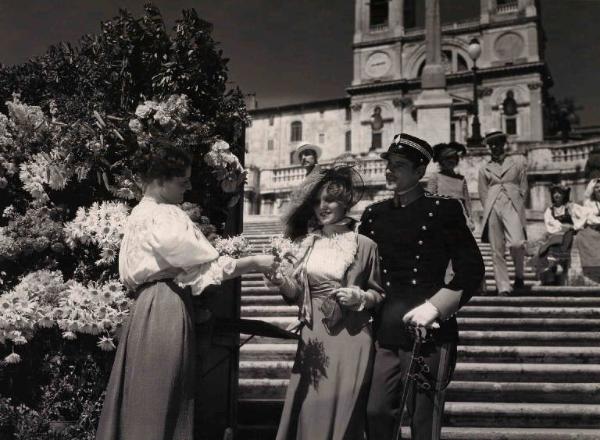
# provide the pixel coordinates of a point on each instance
(324, 289)
(168, 281)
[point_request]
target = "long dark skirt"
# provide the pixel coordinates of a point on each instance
(327, 394)
(150, 394)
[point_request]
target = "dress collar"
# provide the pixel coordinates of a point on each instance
(407, 197)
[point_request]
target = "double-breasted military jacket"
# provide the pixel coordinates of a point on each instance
(416, 241)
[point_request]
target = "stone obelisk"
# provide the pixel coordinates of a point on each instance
(433, 103)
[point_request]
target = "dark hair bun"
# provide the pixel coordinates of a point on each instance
(161, 160)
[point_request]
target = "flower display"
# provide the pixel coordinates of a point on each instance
(28, 306)
(102, 225)
(44, 231)
(234, 247)
(166, 115)
(227, 167)
(94, 309)
(45, 169)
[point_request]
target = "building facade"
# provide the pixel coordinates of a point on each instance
(389, 55)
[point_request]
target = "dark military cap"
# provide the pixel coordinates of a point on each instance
(410, 145)
(441, 150)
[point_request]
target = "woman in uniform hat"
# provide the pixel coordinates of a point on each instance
(447, 181)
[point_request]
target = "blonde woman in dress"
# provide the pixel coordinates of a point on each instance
(336, 283)
(164, 260)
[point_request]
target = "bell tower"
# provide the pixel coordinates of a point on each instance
(379, 24)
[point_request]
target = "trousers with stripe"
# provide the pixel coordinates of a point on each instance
(424, 407)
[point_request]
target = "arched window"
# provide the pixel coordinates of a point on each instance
(510, 111)
(461, 63)
(452, 61)
(296, 132)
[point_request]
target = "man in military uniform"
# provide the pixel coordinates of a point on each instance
(418, 234)
(502, 190)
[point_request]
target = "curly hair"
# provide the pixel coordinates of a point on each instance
(161, 161)
(339, 186)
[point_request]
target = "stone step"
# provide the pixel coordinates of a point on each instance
(466, 311)
(490, 324)
(466, 353)
(465, 371)
(462, 391)
(525, 301)
(502, 338)
(460, 415)
(268, 432)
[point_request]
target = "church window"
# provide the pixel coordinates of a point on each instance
(348, 141)
(511, 126)
(379, 10)
(296, 135)
(270, 145)
(510, 112)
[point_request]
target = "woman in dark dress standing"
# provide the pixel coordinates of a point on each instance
(164, 260)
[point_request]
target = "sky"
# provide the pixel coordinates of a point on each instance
(289, 51)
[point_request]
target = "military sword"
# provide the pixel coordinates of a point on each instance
(419, 334)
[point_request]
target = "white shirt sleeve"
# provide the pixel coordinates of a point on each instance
(553, 226)
(175, 238)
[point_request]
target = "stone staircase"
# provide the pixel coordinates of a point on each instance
(528, 366)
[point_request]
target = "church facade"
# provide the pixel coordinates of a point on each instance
(384, 96)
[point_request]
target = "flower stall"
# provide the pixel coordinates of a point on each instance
(70, 122)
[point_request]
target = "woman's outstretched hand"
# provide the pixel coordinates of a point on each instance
(265, 263)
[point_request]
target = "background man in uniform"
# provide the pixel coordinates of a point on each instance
(502, 190)
(417, 234)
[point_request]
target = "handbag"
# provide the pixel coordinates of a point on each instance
(332, 312)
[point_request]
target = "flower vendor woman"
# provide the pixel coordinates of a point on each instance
(553, 257)
(164, 259)
(335, 282)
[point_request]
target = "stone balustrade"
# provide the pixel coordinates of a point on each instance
(566, 157)
(543, 158)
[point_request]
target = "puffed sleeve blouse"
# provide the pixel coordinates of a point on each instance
(161, 242)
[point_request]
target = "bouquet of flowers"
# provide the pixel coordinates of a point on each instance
(95, 309)
(227, 167)
(234, 247)
(286, 257)
(101, 225)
